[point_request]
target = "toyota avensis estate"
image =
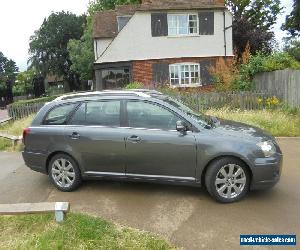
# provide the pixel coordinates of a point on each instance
(143, 135)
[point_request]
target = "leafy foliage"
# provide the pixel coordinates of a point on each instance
(293, 48)
(33, 101)
(263, 63)
(82, 55)
(48, 46)
(24, 83)
(253, 21)
(292, 23)
(238, 74)
(98, 5)
(8, 69)
(135, 85)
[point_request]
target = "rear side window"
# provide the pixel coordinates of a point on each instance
(59, 115)
(98, 113)
(79, 116)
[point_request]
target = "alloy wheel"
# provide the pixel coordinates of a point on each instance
(230, 181)
(63, 173)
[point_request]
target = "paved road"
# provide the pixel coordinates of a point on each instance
(186, 216)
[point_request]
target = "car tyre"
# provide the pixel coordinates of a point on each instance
(64, 173)
(227, 180)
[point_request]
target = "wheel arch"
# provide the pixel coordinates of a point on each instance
(225, 156)
(50, 156)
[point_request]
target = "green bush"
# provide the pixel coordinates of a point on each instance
(33, 101)
(263, 63)
(135, 85)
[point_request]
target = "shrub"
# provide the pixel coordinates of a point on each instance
(239, 74)
(224, 73)
(135, 85)
(33, 101)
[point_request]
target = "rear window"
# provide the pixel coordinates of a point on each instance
(59, 115)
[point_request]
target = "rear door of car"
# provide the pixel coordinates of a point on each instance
(48, 136)
(154, 149)
(95, 137)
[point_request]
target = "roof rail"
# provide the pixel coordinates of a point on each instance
(140, 92)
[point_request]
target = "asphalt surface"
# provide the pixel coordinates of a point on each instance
(186, 216)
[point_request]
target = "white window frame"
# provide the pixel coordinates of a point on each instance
(188, 22)
(180, 68)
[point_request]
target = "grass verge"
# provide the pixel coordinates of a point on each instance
(276, 122)
(13, 128)
(76, 232)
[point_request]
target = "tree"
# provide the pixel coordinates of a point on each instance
(293, 48)
(253, 21)
(48, 46)
(82, 54)
(24, 83)
(8, 70)
(98, 5)
(292, 23)
(81, 51)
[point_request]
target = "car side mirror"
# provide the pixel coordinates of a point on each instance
(181, 126)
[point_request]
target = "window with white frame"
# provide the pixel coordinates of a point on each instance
(183, 24)
(187, 74)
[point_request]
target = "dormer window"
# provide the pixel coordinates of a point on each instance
(122, 21)
(183, 24)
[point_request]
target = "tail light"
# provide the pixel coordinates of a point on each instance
(25, 133)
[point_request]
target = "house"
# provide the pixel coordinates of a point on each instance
(161, 42)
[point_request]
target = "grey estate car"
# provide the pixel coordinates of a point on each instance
(143, 135)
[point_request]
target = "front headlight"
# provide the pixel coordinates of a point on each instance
(268, 148)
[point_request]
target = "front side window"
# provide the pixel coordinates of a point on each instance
(59, 115)
(185, 74)
(150, 116)
(183, 24)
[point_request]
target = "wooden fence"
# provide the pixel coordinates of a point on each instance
(235, 100)
(283, 83)
(22, 111)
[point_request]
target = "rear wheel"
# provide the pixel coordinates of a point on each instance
(227, 180)
(64, 173)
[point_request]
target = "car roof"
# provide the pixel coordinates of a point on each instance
(145, 93)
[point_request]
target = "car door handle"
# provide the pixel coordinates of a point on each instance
(75, 136)
(134, 139)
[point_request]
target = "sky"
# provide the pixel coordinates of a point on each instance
(20, 18)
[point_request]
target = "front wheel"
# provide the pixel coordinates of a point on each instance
(64, 173)
(227, 180)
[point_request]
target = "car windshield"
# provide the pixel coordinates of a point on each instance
(203, 120)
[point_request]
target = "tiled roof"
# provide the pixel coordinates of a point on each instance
(180, 4)
(105, 22)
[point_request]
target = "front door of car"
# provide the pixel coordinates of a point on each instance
(95, 137)
(154, 149)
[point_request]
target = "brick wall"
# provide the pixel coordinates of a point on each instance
(142, 71)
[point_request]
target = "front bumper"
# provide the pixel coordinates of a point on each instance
(35, 161)
(266, 172)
